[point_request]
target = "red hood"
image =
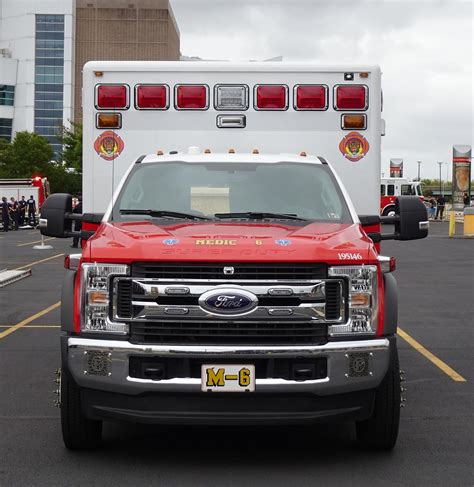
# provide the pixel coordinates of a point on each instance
(146, 241)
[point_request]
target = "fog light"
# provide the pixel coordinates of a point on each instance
(97, 363)
(358, 364)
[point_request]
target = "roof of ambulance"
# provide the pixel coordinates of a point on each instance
(223, 66)
(231, 157)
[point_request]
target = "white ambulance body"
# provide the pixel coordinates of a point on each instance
(145, 106)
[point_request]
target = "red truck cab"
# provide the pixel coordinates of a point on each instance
(230, 288)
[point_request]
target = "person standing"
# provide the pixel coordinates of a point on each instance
(22, 210)
(5, 213)
(77, 223)
(14, 212)
(440, 207)
(465, 199)
(31, 203)
(432, 208)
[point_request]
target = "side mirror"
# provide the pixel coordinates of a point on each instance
(412, 222)
(53, 220)
(410, 219)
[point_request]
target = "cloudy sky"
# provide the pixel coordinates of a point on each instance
(424, 47)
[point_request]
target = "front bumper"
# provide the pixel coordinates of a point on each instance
(116, 379)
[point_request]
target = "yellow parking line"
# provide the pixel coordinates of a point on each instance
(432, 358)
(35, 241)
(38, 262)
(32, 326)
(23, 323)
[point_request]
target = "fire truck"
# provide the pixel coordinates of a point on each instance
(231, 270)
(37, 186)
(391, 188)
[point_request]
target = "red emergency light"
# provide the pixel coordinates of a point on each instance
(311, 97)
(271, 97)
(191, 97)
(351, 97)
(151, 97)
(112, 96)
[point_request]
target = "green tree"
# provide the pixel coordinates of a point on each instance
(31, 155)
(71, 140)
(28, 155)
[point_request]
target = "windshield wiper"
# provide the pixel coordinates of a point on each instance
(162, 213)
(259, 215)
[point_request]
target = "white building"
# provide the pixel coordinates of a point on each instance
(36, 66)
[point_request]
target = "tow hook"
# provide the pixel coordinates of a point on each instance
(402, 389)
(57, 381)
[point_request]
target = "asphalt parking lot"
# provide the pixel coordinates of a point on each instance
(436, 285)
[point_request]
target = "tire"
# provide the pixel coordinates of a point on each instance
(380, 431)
(79, 432)
(389, 211)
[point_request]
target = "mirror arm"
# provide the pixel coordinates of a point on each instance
(390, 219)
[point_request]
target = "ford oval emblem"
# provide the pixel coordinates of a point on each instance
(228, 301)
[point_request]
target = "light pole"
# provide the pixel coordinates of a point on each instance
(440, 164)
(419, 164)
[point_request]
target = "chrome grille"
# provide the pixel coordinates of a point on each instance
(167, 310)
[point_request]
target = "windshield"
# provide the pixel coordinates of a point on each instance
(158, 190)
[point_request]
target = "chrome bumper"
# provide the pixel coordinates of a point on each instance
(117, 378)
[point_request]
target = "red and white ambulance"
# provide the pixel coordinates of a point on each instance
(230, 271)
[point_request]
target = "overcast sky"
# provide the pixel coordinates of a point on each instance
(424, 48)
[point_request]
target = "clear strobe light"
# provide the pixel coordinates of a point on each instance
(231, 97)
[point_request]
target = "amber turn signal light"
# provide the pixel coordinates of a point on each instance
(354, 121)
(109, 120)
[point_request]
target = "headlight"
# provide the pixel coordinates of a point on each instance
(363, 285)
(96, 289)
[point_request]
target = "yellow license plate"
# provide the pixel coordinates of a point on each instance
(227, 378)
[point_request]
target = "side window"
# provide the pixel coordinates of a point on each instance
(391, 190)
(407, 190)
(382, 190)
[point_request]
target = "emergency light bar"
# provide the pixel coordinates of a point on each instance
(351, 97)
(191, 97)
(151, 97)
(271, 97)
(112, 96)
(310, 97)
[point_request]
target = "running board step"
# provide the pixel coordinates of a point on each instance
(8, 277)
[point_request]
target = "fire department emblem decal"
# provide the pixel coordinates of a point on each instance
(354, 146)
(108, 145)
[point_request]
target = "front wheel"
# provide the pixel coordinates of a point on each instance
(380, 431)
(79, 432)
(389, 211)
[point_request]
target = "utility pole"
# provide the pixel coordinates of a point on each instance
(440, 189)
(419, 164)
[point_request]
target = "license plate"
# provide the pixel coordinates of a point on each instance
(227, 378)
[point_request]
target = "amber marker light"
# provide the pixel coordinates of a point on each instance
(354, 121)
(109, 120)
(360, 300)
(98, 297)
